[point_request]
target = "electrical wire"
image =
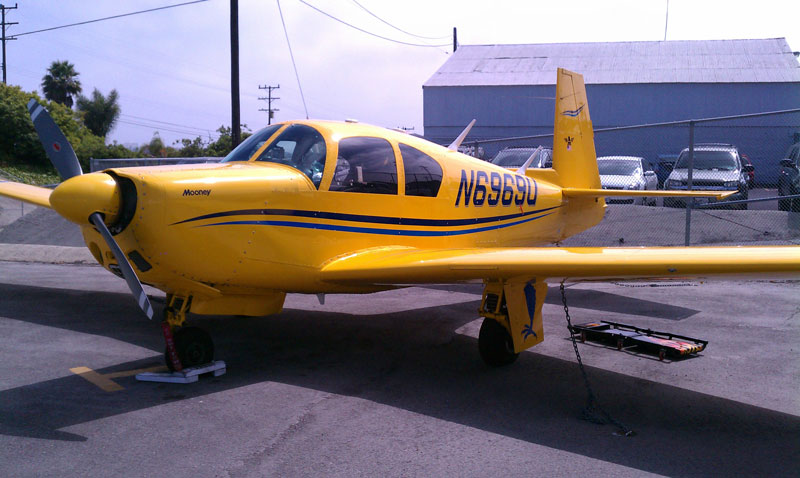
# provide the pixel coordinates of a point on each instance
(370, 33)
(141, 118)
(399, 29)
(107, 18)
(158, 127)
(286, 32)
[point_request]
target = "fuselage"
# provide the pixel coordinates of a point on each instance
(305, 193)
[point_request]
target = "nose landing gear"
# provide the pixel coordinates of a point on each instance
(186, 346)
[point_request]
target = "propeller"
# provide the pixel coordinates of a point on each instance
(63, 157)
(58, 149)
(127, 271)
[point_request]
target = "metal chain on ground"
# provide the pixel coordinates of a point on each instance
(593, 412)
(677, 284)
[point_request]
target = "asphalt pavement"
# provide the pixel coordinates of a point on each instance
(391, 384)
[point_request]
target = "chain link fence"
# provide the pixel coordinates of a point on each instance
(743, 154)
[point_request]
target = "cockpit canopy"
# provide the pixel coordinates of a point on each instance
(364, 164)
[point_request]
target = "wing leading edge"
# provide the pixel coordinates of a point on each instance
(414, 266)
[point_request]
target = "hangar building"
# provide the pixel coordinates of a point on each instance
(510, 90)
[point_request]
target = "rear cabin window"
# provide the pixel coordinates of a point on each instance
(365, 165)
(301, 147)
(423, 173)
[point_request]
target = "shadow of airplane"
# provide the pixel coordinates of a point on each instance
(412, 361)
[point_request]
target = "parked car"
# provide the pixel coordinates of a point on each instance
(717, 167)
(516, 157)
(665, 164)
(789, 179)
(627, 172)
(751, 171)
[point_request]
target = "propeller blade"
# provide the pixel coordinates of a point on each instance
(58, 149)
(127, 271)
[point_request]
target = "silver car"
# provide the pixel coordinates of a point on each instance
(516, 157)
(627, 172)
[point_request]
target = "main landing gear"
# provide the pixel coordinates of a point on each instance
(186, 346)
(495, 344)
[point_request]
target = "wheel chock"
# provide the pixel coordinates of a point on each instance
(187, 375)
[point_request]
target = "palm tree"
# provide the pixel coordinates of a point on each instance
(60, 83)
(100, 112)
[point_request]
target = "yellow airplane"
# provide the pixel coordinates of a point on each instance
(329, 207)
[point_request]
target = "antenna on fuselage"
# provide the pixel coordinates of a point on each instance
(527, 163)
(457, 142)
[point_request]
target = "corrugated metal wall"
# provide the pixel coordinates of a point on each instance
(505, 111)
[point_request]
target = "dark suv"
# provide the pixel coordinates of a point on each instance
(716, 167)
(789, 179)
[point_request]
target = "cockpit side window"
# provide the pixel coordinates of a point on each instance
(423, 173)
(365, 165)
(301, 147)
(248, 147)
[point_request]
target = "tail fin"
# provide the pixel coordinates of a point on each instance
(574, 155)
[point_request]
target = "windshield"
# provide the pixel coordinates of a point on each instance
(719, 160)
(301, 147)
(617, 167)
(248, 147)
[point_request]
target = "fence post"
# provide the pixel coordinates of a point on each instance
(689, 201)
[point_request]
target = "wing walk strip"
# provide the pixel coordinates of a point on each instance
(373, 220)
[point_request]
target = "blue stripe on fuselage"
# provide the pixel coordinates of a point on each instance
(372, 230)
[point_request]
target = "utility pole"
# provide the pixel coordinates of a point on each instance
(455, 39)
(236, 127)
(3, 25)
(270, 110)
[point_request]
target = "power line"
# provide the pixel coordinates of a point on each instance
(397, 28)
(367, 32)
(109, 18)
(286, 32)
(187, 127)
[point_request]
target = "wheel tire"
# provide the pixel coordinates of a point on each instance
(194, 347)
(495, 344)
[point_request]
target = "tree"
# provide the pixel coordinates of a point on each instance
(100, 112)
(60, 83)
(19, 143)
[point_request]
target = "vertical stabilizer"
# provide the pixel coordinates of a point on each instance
(574, 156)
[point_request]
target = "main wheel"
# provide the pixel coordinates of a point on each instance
(194, 347)
(495, 344)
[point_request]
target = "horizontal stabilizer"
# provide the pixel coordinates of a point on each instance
(599, 193)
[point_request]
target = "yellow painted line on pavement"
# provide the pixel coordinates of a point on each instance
(104, 381)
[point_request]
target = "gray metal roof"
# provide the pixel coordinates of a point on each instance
(696, 61)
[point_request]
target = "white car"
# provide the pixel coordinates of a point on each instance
(627, 172)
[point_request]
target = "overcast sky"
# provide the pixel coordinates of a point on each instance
(172, 67)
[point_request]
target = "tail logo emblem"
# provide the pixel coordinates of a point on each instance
(569, 140)
(573, 113)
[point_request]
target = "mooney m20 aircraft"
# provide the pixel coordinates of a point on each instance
(327, 207)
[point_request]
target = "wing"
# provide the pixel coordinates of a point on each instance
(24, 192)
(385, 266)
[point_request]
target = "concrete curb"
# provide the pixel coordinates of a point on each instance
(45, 254)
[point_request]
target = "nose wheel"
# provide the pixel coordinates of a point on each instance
(186, 346)
(193, 346)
